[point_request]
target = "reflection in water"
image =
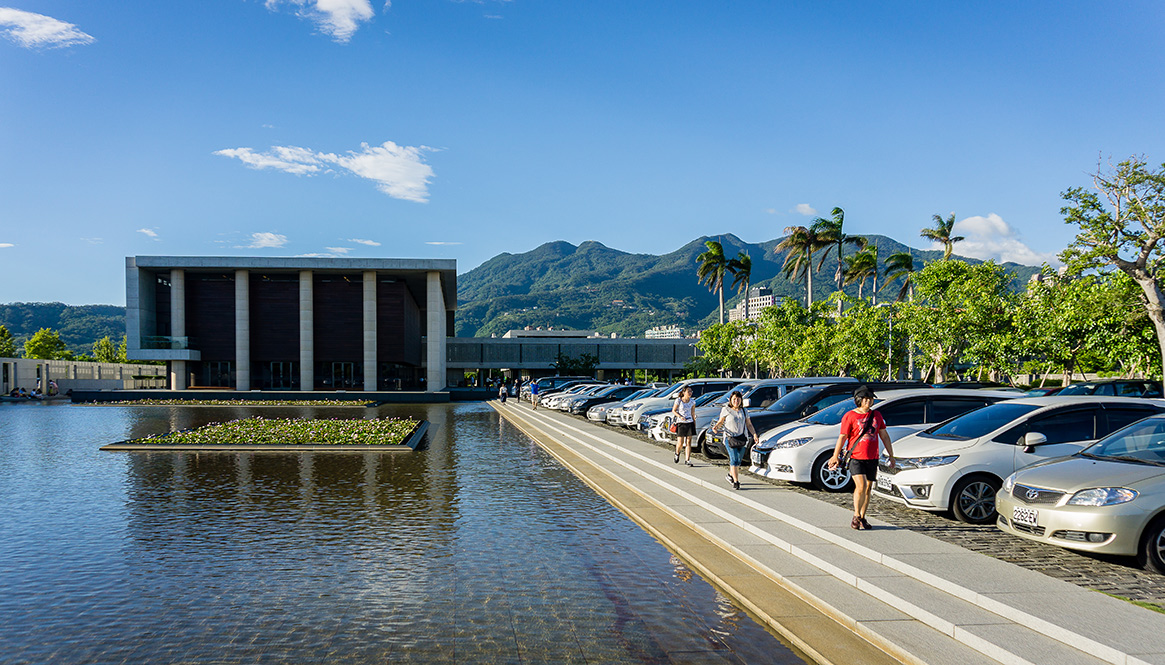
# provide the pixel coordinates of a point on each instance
(479, 548)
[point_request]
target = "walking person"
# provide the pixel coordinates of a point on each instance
(685, 423)
(534, 394)
(503, 393)
(861, 430)
(737, 428)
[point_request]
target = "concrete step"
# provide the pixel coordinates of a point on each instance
(998, 610)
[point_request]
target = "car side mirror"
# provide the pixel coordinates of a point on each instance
(1031, 440)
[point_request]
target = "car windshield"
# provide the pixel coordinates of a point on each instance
(832, 415)
(1078, 389)
(714, 398)
(671, 390)
(974, 424)
(1143, 442)
(794, 401)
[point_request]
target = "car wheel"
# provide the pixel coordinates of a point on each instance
(973, 499)
(1152, 553)
(830, 480)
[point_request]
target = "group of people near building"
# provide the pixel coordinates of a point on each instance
(37, 393)
(863, 434)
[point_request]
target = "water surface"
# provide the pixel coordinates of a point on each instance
(478, 549)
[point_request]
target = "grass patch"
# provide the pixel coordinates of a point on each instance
(243, 402)
(1139, 603)
(290, 432)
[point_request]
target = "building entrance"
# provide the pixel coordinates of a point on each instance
(344, 376)
(283, 375)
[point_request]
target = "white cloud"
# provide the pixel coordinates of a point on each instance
(37, 30)
(991, 237)
(771, 211)
(398, 171)
(362, 241)
(804, 209)
(94, 241)
(338, 18)
(266, 240)
(442, 242)
(339, 250)
(150, 233)
(6, 244)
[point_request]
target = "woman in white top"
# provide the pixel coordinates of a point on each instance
(736, 426)
(685, 422)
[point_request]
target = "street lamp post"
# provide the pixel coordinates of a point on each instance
(889, 340)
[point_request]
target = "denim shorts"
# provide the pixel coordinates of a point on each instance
(736, 455)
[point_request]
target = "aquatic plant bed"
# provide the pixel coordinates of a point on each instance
(239, 402)
(288, 435)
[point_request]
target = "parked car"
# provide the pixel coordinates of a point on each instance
(553, 400)
(633, 410)
(959, 465)
(1115, 387)
(801, 453)
(1108, 498)
(1042, 392)
(660, 419)
(793, 406)
(614, 415)
(582, 403)
(549, 384)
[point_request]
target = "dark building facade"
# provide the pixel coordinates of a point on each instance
(250, 323)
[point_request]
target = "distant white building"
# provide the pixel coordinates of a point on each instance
(665, 332)
(758, 299)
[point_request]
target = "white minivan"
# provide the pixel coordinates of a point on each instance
(959, 465)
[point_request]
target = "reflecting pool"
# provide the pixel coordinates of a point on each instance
(479, 548)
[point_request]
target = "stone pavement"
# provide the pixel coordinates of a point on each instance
(916, 598)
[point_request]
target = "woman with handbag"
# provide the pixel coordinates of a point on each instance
(737, 428)
(684, 424)
(861, 429)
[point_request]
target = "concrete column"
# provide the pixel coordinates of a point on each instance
(370, 330)
(242, 330)
(435, 330)
(178, 325)
(307, 376)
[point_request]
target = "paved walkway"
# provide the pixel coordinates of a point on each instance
(917, 599)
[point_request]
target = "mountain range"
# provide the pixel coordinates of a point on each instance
(594, 287)
(588, 287)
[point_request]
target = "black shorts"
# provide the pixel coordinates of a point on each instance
(863, 467)
(685, 429)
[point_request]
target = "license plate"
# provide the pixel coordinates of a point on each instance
(884, 483)
(1025, 516)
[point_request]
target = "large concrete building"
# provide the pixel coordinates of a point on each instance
(251, 323)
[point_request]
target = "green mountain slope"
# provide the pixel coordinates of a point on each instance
(595, 287)
(78, 325)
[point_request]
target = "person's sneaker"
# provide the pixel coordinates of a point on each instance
(735, 485)
(689, 463)
(855, 523)
(730, 480)
(677, 459)
(865, 524)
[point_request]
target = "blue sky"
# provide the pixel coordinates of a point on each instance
(466, 129)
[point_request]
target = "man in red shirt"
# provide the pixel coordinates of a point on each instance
(861, 430)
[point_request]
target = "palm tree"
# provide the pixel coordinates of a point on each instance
(741, 269)
(834, 240)
(941, 233)
(900, 265)
(861, 266)
(800, 242)
(712, 269)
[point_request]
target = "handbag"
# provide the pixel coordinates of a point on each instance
(673, 428)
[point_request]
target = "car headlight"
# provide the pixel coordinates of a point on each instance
(1102, 496)
(633, 406)
(1008, 483)
(923, 462)
(793, 443)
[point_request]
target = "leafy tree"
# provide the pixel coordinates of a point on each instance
(941, 233)
(723, 344)
(814, 355)
(105, 352)
(862, 342)
(800, 243)
(580, 365)
(45, 345)
(713, 265)
(955, 305)
(741, 269)
(780, 331)
(1124, 230)
(7, 344)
